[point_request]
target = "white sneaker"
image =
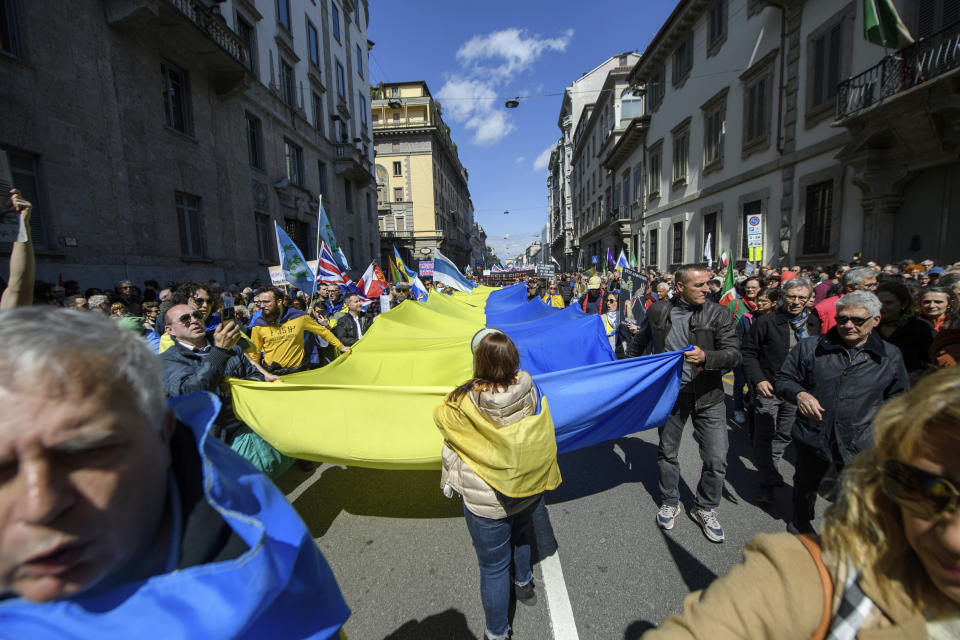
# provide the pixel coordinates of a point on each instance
(667, 515)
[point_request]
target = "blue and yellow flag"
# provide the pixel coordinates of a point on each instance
(295, 268)
(411, 274)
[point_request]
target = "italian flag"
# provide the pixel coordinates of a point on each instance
(728, 294)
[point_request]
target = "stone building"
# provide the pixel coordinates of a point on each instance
(163, 138)
(423, 198)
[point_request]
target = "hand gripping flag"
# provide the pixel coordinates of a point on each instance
(325, 234)
(410, 273)
(369, 285)
(447, 274)
(728, 295)
(327, 269)
(295, 269)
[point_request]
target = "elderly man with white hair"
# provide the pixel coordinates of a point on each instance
(838, 380)
(120, 513)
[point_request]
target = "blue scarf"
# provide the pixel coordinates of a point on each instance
(799, 324)
(280, 588)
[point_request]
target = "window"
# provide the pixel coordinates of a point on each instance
(394, 92)
(817, 217)
(636, 183)
(656, 87)
(716, 26)
(248, 35)
(299, 232)
(348, 194)
(653, 247)
(682, 60)
(359, 62)
(625, 190)
(826, 69)
(397, 169)
(757, 97)
(293, 159)
(335, 20)
(710, 232)
(363, 111)
(341, 81)
(254, 142)
(653, 166)
(266, 247)
(313, 44)
(176, 97)
(25, 176)
(714, 126)
(752, 208)
(288, 90)
(317, 111)
(398, 194)
(681, 156)
(190, 220)
(934, 15)
(322, 171)
(283, 13)
(677, 248)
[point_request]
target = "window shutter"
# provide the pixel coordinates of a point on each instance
(926, 17)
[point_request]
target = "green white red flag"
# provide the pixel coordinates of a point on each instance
(728, 294)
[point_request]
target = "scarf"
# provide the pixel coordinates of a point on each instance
(799, 324)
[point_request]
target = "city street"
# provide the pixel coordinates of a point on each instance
(404, 560)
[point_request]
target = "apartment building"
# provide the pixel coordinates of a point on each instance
(742, 97)
(423, 199)
(162, 139)
(564, 229)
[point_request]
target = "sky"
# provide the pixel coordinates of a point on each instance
(475, 55)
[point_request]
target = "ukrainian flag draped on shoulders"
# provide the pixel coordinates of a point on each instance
(518, 460)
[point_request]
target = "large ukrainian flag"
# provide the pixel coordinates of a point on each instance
(374, 406)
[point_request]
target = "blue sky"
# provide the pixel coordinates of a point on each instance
(474, 56)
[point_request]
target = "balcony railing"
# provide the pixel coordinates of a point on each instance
(911, 66)
(214, 27)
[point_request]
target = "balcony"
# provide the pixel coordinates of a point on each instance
(350, 163)
(912, 66)
(192, 29)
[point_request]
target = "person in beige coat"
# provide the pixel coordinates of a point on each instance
(888, 564)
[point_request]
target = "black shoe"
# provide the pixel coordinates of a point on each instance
(525, 594)
(766, 494)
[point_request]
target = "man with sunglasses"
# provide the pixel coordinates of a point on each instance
(838, 380)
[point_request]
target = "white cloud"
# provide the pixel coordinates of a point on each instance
(520, 160)
(488, 62)
(513, 47)
(543, 160)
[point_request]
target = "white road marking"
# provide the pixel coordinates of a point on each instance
(306, 484)
(558, 601)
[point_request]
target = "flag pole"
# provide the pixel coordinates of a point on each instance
(319, 223)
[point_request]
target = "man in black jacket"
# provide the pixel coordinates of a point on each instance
(672, 325)
(764, 349)
(838, 380)
(353, 324)
(202, 361)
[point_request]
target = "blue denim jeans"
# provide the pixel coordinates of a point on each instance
(496, 543)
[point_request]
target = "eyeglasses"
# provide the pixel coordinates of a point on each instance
(185, 318)
(842, 320)
(611, 299)
(869, 285)
(798, 299)
(202, 301)
(926, 494)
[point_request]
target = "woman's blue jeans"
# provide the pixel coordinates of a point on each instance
(496, 543)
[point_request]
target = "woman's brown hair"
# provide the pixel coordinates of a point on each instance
(495, 364)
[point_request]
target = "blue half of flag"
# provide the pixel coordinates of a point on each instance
(295, 268)
(447, 274)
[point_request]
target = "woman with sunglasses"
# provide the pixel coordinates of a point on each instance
(500, 455)
(888, 564)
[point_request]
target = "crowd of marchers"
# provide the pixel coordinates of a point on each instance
(115, 505)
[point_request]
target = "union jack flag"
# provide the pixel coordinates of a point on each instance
(327, 269)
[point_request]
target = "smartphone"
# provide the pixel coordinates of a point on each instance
(228, 313)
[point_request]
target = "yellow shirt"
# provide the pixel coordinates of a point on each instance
(282, 343)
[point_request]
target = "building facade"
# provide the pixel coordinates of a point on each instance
(423, 198)
(742, 98)
(171, 135)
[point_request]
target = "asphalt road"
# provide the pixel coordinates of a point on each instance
(405, 563)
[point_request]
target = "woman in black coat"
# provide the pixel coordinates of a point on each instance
(902, 328)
